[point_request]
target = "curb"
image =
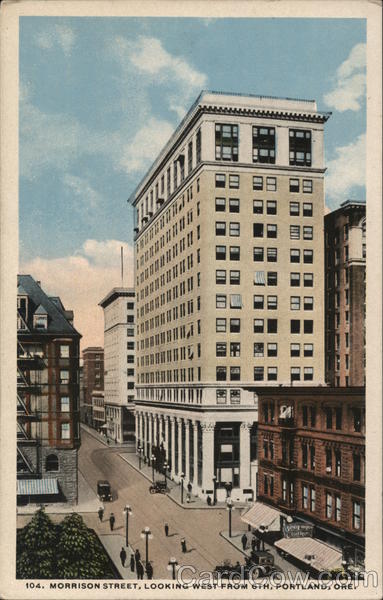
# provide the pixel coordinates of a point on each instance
(221, 533)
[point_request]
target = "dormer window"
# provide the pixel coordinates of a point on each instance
(40, 321)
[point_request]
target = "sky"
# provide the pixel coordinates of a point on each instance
(99, 98)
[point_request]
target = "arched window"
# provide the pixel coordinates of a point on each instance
(52, 463)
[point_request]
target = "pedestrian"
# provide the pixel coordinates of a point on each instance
(101, 513)
(189, 487)
(132, 562)
(183, 545)
(137, 557)
(140, 570)
(188, 498)
(208, 500)
(108, 441)
(123, 556)
(244, 541)
(149, 570)
(254, 543)
(166, 527)
(112, 521)
(258, 544)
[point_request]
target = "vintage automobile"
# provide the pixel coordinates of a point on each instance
(158, 487)
(260, 564)
(104, 492)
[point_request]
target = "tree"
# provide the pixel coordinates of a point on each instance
(36, 545)
(79, 552)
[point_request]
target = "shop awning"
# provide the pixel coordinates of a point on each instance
(104, 426)
(37, 487)
(314, 553)
(260, 516)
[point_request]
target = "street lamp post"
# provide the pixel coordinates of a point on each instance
(127, 511)
(147, 534)
(166, 466)
(182, 475)
(230, 508)
(215, 489)
(139, 455)
(152, 461)
(172, 566)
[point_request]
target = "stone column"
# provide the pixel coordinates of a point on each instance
(195, 456)
(173, 456)
(137, 418)
(244, 453)
(187, 451)
(150, 440)
(207, 455)
(155, 417)
(143, 433)
(167, 438)
(179, 422)
(160, 428)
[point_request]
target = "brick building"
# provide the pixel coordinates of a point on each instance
(93, 378)
(48, 434)
(311, 454)
(345, 256)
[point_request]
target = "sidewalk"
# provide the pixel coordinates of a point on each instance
(235, 540)
(103, 439)
(113, 542)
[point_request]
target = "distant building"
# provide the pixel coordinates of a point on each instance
(119, 345)
(98, 411)
(311, 454)
(93, 377)
(48, 434)
(345, 254)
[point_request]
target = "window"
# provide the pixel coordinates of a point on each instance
(308, 279)
(235, 373)
(295, 326)
(305, 496)
(234, 205)
(272, 254)
(226, 142)
(257, 182)
(220, 204)
(338, 417)
(220, 180)
(357, 419)
(295, 303)
(221, 373)
(338, 508)
(258, 349)
(258, 374)
(295, 232)
(64, 404)
(307, 186)
(308, 350)
(64, 377)
(272, 278)
(235, 277)
(307, 233)
(295, 374)
(258, 325)
(312, 499)
(356, 467)
(295, 350)
(272, 349)
(220, 277)
(271, 184)
(235, 396)
(300, 147)
(258, 207)
(356, 514)
(234, 229)
(64, 351)
(220, 252)
(234, 182)
(52, 463)
(258, 230)
(308, 303)
(220, 228)
(328, 416)
(258, 302)
(220, 325)
(264, 145)
(220, 349)
(235, 349)
(307, 209)
(271, 231)
(295, 256)
(308, 256)
(235, 301)
(294, 185)
(234, 253)
(40, 321)
(294, 209)
(272, 325)
(259, 278)
(65, 431)
(308, 326)
(328, 506)
(272, 373)
(308, 373)
(295, 279)
(235, 325)
(272, 302)
(258, 254)
(220, 301)
(221, 396)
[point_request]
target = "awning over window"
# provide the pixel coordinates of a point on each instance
(314, 553)
(37, 487)
(261, 516)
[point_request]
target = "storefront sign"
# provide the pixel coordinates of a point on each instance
(297, 530)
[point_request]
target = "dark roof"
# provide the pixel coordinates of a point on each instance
(37, 298)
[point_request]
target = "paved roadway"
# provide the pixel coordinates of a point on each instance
(200, 527)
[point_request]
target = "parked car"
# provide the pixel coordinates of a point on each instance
(260, 564)
(104, 492)
(158, 487)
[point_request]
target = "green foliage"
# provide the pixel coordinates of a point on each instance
(66, 551)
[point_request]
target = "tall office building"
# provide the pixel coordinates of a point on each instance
(345, 251)
(229, 280)
(92, 379)
(119, 369)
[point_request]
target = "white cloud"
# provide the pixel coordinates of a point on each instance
(346, 170)
(82, 188)
(83, 279)
(146, 144)
(350, 82)
(60, 35)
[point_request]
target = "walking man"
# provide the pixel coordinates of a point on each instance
(123, 556)
(137, 557)
(140, 570)
(208, 500)
(254, 543)
(149, 570)
(101, 513)
(112, 521)
(244, 541)
(166, 527)
(183, 545)
(132, 562)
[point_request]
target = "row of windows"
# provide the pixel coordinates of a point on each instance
(260, 279)
(272, 255)
(263, 325)
(259, 373)
(259, 185)
(271, 207)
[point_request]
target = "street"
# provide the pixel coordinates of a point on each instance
(200, 527)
